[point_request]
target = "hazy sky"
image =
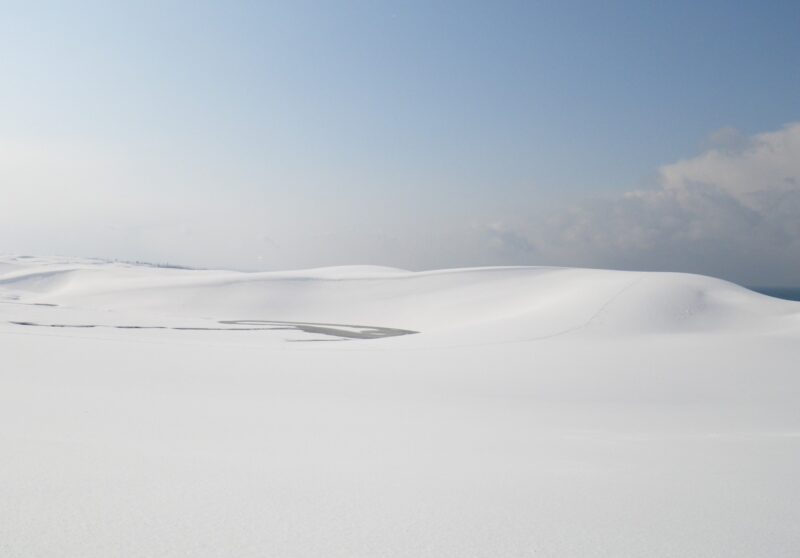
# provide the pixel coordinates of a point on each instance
(265, 135)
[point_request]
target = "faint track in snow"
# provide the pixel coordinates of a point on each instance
(342, 331)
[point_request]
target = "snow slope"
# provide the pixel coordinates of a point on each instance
(366, 411)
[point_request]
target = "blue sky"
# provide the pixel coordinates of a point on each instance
(318, 133)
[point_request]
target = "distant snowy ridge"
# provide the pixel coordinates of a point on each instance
(493, 303)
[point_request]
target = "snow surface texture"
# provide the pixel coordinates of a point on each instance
(364, 411)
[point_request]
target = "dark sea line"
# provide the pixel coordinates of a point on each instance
(787, 293)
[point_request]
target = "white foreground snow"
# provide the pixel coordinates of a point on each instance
(538, 412)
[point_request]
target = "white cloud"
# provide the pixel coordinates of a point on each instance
(733, 211)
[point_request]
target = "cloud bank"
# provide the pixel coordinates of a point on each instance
(733, 212)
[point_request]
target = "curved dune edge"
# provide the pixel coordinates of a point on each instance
(495, 304)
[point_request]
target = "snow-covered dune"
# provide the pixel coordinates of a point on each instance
(520, 411)
(517, 303)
